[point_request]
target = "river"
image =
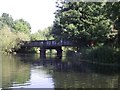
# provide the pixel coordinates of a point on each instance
(29, 71)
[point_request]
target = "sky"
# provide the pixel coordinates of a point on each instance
(39, 13)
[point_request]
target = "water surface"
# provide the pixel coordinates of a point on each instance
(29, 71)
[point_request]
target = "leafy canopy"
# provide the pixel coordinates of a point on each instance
(83, 23)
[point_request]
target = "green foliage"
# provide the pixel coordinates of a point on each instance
(12, 33)
(22, 26)
(70, 53)
(10, 40)
(15, 26)
(82, 23)
(42, 34)
(88, 25)
(102, 54)
(117, 55)
(113, 10)
(6, 19)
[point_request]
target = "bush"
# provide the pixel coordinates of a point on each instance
(117, 56)
(103, 54)
(70, 53)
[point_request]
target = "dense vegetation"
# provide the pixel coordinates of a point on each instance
(94, 27)
(86, 23)
(12, 33)
(42, 34)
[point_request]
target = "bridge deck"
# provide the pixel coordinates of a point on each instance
(47, 43)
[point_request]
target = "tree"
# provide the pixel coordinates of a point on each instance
(42, 34)
(22, 26)
(12, 33)
(6, 19)
(10, 40)
(113, 10)
(82, 23)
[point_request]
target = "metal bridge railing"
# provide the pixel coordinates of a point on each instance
(47, 43)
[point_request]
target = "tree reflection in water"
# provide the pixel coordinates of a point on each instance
(14, 71)
(32, 72)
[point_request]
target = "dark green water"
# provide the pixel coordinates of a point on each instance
(28, 71)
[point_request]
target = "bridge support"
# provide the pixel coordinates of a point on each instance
(59, 52)
(42, 52)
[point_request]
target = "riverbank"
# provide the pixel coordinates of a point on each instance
(104, 55)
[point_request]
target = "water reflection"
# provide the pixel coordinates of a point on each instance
(19, 74)
(38, 79)
(84, 80)
(28, 71)
(14, 71)
(0, 71)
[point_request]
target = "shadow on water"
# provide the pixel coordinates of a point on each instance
(96, 68)
(67, 65)
(64, 73)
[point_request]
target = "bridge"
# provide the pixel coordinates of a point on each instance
(48, 44)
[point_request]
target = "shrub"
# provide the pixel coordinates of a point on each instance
(103, 54)
(70, 53)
